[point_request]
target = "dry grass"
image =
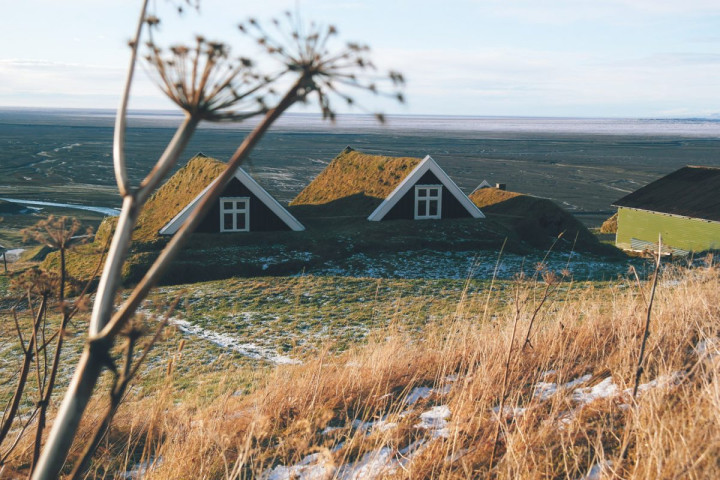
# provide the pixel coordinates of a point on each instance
(672, 431)
(175, 194)
(356, 173)
(610, 225)
(485, 197)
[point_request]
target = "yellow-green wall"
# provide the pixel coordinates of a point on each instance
(678, 232)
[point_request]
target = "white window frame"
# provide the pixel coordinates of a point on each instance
(234, 211)
(426, 198)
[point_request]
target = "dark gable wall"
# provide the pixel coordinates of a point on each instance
(262, 219)
(405, 208)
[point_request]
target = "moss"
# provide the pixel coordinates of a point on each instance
(356, 174)
(175, 195)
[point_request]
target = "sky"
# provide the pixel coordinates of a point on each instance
(547, 58)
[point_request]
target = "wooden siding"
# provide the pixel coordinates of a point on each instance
(262, 219)
(678, 232)
(405, 207)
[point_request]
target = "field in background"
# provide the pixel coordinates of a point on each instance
(64, 155)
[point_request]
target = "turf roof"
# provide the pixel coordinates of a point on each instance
(363, 180)
(689, 192)
(175, 194)
(537, 221)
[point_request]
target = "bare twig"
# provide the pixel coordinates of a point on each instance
(646, 332)
(24, 371)
(117, 393)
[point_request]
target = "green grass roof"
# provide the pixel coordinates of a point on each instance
(175, 194)
(362, 179)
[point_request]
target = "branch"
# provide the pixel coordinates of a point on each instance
(121, 118)
(178, 241)
(646, 332)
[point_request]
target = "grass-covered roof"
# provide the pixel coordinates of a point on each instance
(363, 180)
(175, 194)
(537, 221)
(690, 192)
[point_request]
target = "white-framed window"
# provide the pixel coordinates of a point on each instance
(428, 201)
(234, 214)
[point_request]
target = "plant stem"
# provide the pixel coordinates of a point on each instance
(646, 332)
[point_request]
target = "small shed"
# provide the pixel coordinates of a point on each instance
(243, 206)
(387, 188)
(683, 206)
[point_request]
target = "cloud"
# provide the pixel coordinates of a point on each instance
(559, 12)
(531, 82)
(43, 83)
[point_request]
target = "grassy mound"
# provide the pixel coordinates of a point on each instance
(536, 221)
(356, 174)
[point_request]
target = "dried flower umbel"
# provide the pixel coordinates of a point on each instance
(326, 72)
(206, 81)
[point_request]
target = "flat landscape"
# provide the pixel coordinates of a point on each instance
(583, 165)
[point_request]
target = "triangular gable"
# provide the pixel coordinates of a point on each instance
(483, 184)
(243, 177)
(427, 164)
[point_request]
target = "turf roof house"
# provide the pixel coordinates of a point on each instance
(243, 206)
(683, 206)
(387, 188)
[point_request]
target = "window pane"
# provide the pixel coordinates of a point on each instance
(422, 192)
(227, 221)
(227, 205)
(240, 204)
(435, 192)
(433, 207)
(422, 208)
(241, 221)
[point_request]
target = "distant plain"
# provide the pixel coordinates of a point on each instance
(582, 164)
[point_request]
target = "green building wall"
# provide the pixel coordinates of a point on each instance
(677, 232)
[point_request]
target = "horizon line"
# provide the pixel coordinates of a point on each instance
(711, 117)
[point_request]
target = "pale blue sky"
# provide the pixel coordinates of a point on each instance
(624, 58)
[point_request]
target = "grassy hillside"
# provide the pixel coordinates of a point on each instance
(418, 400)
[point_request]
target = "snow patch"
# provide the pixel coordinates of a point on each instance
(604, 389)
(231, 342)
(435, 421)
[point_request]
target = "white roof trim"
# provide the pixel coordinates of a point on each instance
(174, 225)
(426, 164)
(483, 184)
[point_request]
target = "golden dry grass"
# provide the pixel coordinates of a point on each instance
(175, 194)
(353, 173)
(610, 225)
(490, 196)
(671, 431)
